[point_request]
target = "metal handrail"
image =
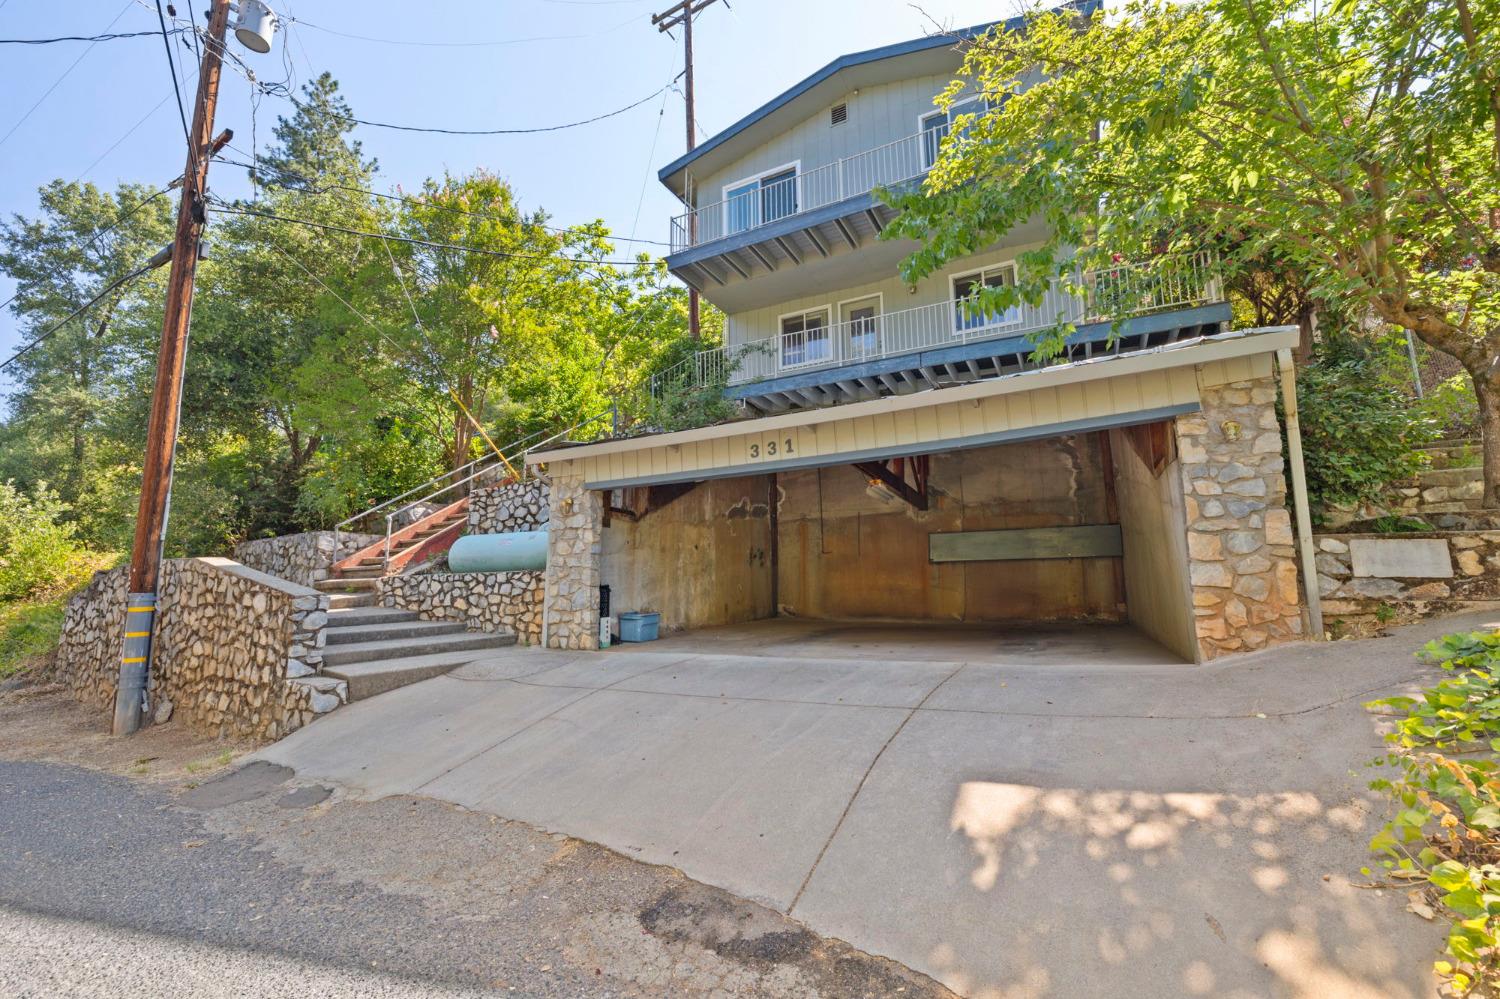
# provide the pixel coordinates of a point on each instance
(1127, 289)
(903, 159)
(516, 459)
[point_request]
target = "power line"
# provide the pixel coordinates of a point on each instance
(316, 187)
(58, 82)
(480, 131)
(55, 327)
(80, 38)
(220, 206)
(468, 45)
(166, 40)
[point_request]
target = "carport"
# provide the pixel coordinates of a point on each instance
(1145, 489)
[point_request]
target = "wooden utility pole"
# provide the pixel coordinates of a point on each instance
(166, 399)
(668, 19)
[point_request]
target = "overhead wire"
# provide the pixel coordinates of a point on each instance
(46, 334)
(166, 40)
(58, 82)
(318, 187)
(481, 131)
(114, 36)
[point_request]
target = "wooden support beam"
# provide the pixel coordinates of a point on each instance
(760, 255)
(787, 249)
(880, 472)
(1093, 541)
(889, 383)
(728, 258)
(868, 384)
(874, 218)
(815, 240)
(847, 233)
(705, 269)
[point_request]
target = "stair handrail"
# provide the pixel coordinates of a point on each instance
(491, 457)
(516, 460)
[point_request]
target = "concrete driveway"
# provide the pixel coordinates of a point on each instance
(1064, 812)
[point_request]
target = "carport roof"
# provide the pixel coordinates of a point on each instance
(1161, 381)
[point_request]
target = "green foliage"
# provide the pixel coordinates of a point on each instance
(28, 631)
(1360, 431)
(1355, 145)
(1393, 524)
(1446, 785)
(37, 548)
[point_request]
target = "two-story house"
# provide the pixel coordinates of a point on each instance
(902, 458)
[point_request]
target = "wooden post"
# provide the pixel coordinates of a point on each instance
(1299, 493)
(166, 399)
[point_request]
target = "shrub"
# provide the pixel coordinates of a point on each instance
(1360, 430)
(1446, 834)
(38, 550)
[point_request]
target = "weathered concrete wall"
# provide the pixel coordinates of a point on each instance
(1153, 524)
(516, 506)
(575, 529)
(852, 550)
(704, 559)
(300, 558)
(235, 651)
(482, 601)
(1240, 546)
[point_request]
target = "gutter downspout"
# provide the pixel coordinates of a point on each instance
(1299, 492)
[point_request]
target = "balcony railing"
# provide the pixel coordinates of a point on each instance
(905, 159)
(1117, 292)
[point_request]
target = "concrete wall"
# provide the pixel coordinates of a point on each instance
(1153, 524)
(852, 550)
(704, 559)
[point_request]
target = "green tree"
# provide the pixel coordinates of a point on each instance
(1356, 143)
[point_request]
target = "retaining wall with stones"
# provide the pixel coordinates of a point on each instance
(235, 651)
(1240, 547)
(1383, 579)
(515, 506)
(300, 558)
(481, 601)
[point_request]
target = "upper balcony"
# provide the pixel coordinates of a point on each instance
(776, 221)
(872, 353)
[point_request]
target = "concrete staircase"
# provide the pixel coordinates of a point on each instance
(375, 649)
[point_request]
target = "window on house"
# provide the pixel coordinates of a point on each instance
(804, 338)
(764, 199)
(860, 321)
(938, 124)
(966, 286)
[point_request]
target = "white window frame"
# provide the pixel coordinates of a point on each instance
(879, 297)
(947, 120)
(953, 298)
(828, 314)
(795, 165)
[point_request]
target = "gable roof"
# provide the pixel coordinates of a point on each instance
(847, 62)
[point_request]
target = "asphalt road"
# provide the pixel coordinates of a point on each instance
(111, 887)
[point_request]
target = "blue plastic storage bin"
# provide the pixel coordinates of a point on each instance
(639, 627)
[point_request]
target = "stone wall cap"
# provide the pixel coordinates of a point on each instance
(256, 576)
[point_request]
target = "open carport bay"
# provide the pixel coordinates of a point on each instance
(1085, 817)
(1062, 530)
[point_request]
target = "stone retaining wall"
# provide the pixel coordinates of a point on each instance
(1384, 579)
(517, 506)
(575, 535)
(235, 651)
(481, 601)
(300, 558)
(1240, 546)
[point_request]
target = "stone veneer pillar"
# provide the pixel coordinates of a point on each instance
(575, 534)
(1241, 557)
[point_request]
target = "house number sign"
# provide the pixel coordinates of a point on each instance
(772, 448)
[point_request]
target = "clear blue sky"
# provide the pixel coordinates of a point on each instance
(568, 60)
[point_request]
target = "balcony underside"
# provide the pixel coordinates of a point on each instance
(970, 361)
(803, 249)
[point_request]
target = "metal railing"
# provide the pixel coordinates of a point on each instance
(511, 457)
(905, 159)
(1116, 292)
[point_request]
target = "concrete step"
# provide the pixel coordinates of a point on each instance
(350, 601)
(366, 679)
(363, 572)
(340, 585)
(394, 631)
(362, 652)
(1450, 476)
(368, 613)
